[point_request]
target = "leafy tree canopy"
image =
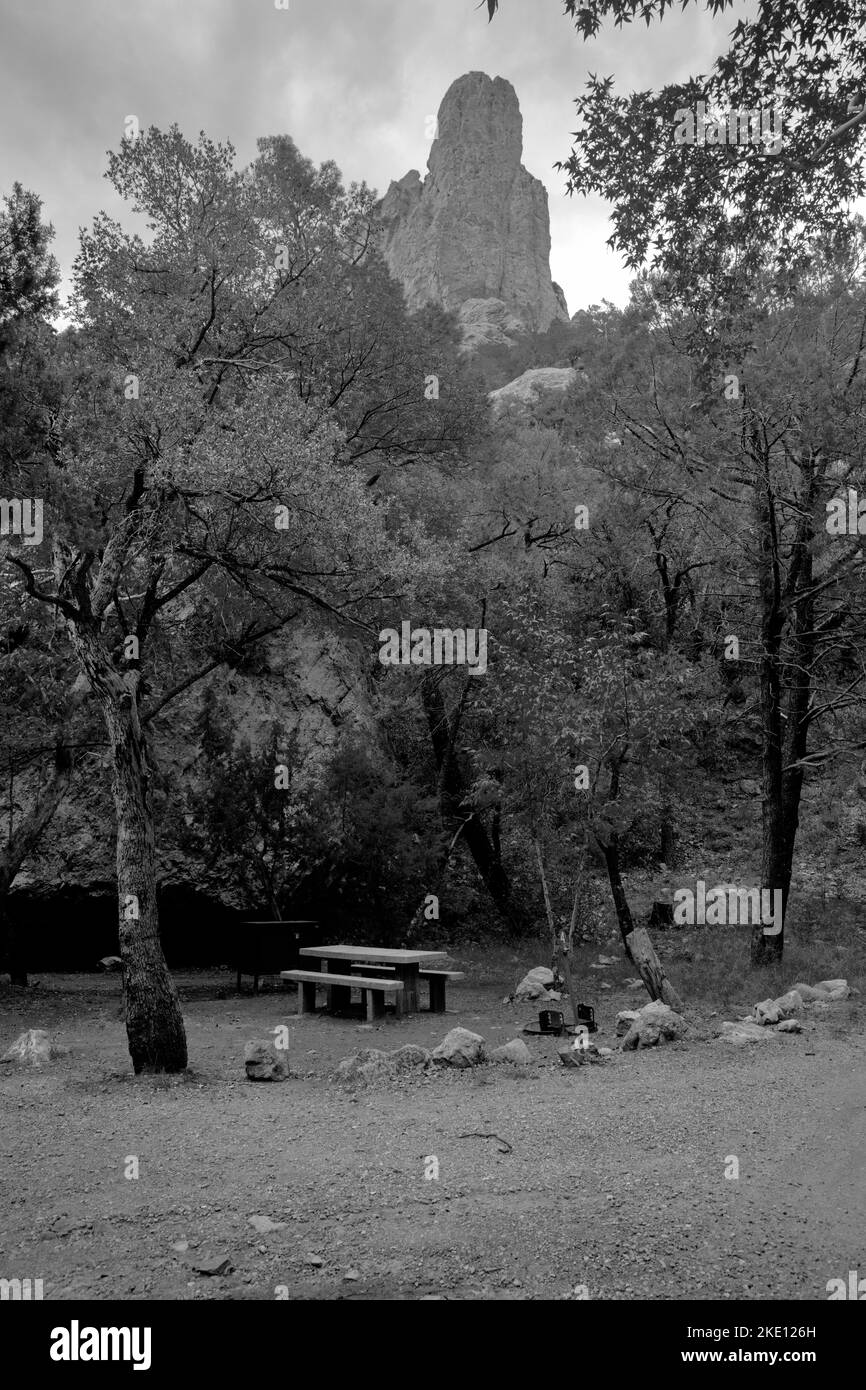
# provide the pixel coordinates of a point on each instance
(705, 211)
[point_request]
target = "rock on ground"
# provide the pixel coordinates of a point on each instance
(264, 1061)
(823, 992)
(264, 1225)
(408, 1058)
(807, 993)
(789, 1025)
(655, 1023)
(515, 1051)
(772, 1011)
(371, 1064)
(768, 1012)
(624, 1021)
(569, 1058)
(834, 989)
(790, 1003)
(581, 1056)
(743, 1032)
(32, 1049)
(460, 1048)
(536, 984)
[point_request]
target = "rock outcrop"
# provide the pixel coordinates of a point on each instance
(527, 390)
(476, 231)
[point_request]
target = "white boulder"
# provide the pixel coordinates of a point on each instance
(459, 1048)
(31, 1049)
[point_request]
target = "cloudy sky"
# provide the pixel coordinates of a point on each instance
(349, 80)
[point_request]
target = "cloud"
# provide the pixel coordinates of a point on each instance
(349, 80)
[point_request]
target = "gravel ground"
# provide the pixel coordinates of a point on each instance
(615, 1177)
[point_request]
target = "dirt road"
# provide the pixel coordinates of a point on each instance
(615, 1178)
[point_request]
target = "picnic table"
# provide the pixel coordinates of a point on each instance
(403, 968)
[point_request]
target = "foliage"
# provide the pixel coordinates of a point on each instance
(709, 212)
(248, 829)
(29, 274)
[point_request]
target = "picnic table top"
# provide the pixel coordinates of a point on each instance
(387, 954)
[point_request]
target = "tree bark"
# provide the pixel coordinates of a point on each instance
(784, 738)
(766, 949)
(651, 970)
(636, 940)
(154, 1024)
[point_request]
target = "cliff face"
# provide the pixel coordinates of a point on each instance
(477, 228)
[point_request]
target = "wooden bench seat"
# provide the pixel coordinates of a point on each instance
(435, 978)
(340, 988)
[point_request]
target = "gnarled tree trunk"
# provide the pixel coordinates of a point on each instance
(154, 1024)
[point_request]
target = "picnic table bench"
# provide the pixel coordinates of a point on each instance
(395, 972)
(436, 979)
(339, 987)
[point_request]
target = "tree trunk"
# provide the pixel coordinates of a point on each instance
(636, 941)
(781, 790)
(780, 833)
(651, 970)
(767, 949)
(610, 852)
(154, 1023)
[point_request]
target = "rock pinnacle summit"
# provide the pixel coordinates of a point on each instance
(474, 236)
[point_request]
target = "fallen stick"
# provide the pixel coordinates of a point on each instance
(477, 1134)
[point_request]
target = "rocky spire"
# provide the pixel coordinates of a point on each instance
(477, 228)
